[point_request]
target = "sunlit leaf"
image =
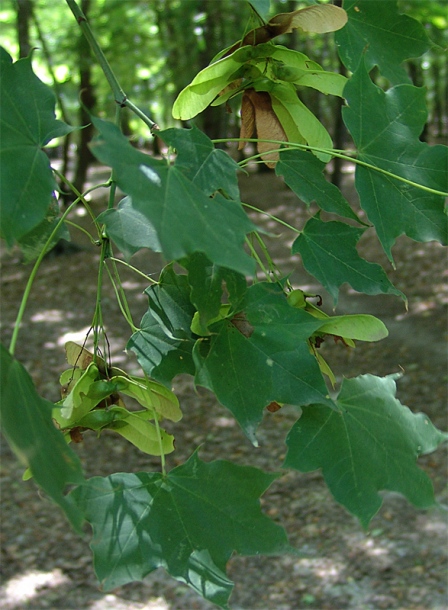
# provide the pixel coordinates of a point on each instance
(288, 107)
(141, 433)
(152, 396)
(362, 327)
(208, 83)
(184, 218)
(187, 522)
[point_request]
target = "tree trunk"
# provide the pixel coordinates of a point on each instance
(24, 15)
(214, 120)
(87, 96)
(340, 134)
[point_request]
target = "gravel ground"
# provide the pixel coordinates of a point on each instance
(400, 563)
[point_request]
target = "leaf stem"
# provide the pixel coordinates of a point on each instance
(124, 308)
(129, 266)
(159, 438)
(279, 220)
(29, 284)
(255, 255)
(76, 226)
(334, 153)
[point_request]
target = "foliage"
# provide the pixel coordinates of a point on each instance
(254, 344)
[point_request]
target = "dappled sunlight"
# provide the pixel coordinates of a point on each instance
(76, 336)
(49, 315)
(224, 422)
(112, 601)
(24, 587)
(323, 568)
(373, 548)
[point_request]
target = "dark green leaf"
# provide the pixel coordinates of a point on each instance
(302, 172)
(188, 522)
(328, 251)
(129, 228)
(261, 356)
(206, 281)
(34, 241)
(27, 425)
(386, 127)
(164, 343)
(184, 218)
(261, 6)
(28, 123)
(209, 168)
(376, 31)
(370, 444)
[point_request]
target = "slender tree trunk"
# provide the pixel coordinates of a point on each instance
(24, 15)
(339, 135)
(214, 118)
(88, 100)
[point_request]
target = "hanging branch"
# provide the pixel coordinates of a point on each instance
(119, 95)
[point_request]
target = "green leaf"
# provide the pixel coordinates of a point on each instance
(28, 427)
(206, 281)
(140, 432)
(78, 403)
(164, 343)
(187, 522)
(208, 83)
(210, 169)
(361, 327)
(259, 356)
(297, 68)
(303, 173)
(129, 228)
(376, 31)
(185, 219)
(294, 59)
(386, 127)
(370, 444)
(34, 241)
(288, 107)
(261, 6)
(328, 251)
(28, 123)
(152, 396)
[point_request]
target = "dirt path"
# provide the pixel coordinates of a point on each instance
(400, 563)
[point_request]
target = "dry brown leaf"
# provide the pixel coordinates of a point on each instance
(247, 119)
(268, 126)
(319, 19)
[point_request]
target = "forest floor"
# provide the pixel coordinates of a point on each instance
(400, 563)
